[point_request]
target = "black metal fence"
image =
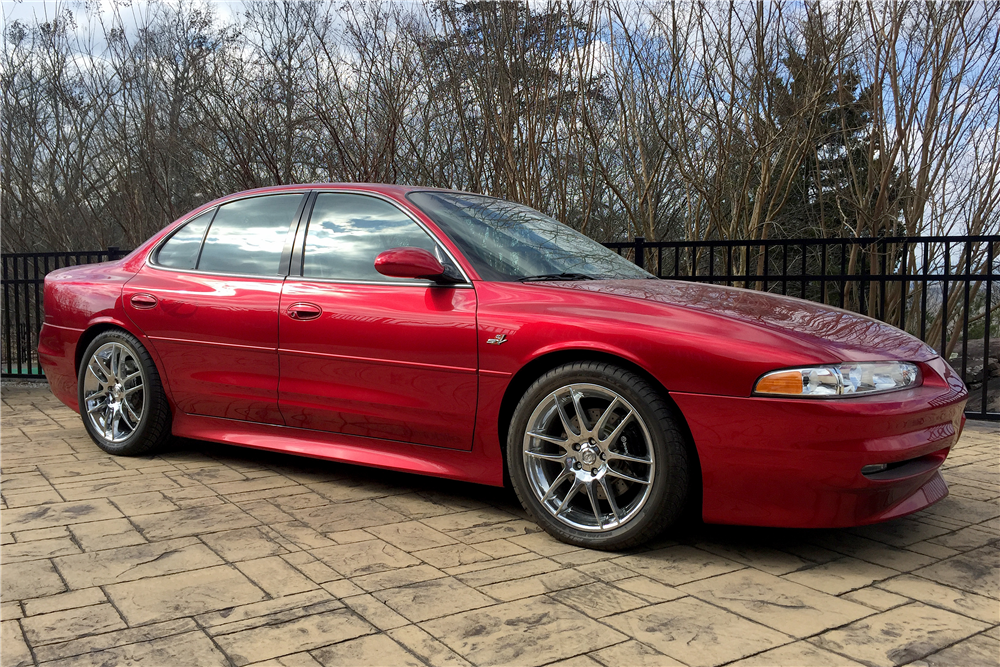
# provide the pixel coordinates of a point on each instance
(943, 289)
(23, 312)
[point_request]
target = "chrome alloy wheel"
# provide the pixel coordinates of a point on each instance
(113, 392)
(588, 456)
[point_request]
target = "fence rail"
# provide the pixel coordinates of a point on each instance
(943, 289)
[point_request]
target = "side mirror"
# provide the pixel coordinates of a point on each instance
(412, 263)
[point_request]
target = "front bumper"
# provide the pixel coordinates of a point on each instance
(797, 463)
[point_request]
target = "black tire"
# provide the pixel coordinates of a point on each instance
(657, 432)
(122, 401)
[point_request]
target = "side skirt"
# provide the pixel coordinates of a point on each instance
(420, 459)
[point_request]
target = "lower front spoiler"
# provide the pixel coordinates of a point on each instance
(932, 491)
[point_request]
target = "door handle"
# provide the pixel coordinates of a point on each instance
(143, 301)
(304, 311)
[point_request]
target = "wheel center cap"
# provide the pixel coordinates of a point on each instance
(588, 456)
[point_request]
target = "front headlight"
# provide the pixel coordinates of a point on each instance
(847, 379)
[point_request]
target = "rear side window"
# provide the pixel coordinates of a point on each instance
(181, 250)
(348, 231)
(247, 236)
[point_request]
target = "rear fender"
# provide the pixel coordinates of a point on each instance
(106, 323)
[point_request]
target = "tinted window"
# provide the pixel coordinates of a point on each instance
(181, 250)
(247, 236)
(347, 232)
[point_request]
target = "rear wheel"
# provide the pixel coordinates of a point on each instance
(596, 457)
(121, 398)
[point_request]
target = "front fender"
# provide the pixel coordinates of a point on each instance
(684, 350)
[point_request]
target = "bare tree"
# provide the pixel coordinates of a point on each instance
(665, 120)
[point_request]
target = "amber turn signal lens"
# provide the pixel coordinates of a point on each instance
(782, 382)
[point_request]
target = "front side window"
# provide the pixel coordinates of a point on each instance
(247, 236)
(181, 249)
(348, 231)
(508, 241)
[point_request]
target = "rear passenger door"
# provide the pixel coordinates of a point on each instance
(208, 302)
(364, 354)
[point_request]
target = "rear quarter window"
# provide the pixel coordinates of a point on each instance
(181, 249)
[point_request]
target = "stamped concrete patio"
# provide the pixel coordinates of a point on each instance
(216, 555)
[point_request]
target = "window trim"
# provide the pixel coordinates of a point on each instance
(298, 253)
(283, 267)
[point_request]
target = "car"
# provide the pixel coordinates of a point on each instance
(458, 335)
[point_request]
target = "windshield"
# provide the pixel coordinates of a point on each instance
(508, 241)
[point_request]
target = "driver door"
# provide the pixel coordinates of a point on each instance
(364, 354)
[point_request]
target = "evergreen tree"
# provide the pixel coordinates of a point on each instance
(837, 182)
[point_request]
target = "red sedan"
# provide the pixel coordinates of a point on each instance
(463, 336)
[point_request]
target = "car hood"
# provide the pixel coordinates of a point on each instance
(849, 336)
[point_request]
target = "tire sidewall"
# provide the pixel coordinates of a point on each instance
(151, 392)
(664, 449)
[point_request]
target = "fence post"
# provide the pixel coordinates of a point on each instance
(112, 253)
(640, 252)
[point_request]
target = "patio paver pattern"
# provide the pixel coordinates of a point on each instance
(209, 555)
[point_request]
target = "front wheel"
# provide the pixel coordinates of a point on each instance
(596, 457)
(121, 398)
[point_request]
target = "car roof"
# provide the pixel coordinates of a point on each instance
(381, 188)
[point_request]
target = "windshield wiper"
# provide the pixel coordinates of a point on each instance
(556, 276)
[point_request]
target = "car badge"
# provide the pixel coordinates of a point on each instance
(500, 339)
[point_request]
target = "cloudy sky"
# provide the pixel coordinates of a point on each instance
(91, 10)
